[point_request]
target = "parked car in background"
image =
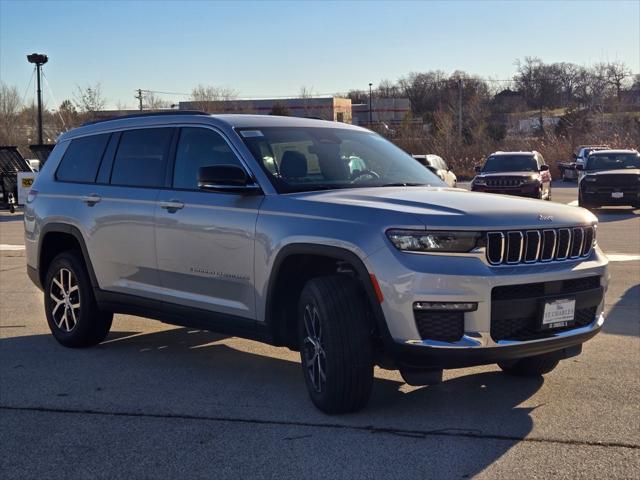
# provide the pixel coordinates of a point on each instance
(582, 153)
(524, 174)
(610, 177)
(438, 166)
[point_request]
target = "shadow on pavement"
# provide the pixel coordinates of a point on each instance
(614, 214)
(192, 372)
(623, 318)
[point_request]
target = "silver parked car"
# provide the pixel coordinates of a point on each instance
(319, 236)
(438, 166)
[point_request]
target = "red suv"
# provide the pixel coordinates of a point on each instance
(524, 174)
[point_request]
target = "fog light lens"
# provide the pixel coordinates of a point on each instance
(451, 306)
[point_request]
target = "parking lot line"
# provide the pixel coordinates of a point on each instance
(622, 257)
(7, 247)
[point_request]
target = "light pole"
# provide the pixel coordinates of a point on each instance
(39, 59)
(370, 112)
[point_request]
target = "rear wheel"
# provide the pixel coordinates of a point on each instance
(72, 314)
(530, 366)
(335, 344)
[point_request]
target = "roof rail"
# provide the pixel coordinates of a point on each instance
(148, 114)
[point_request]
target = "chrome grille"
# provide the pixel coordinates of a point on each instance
(531, 246)
(503, 182)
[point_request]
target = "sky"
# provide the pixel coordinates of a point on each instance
(265, 49)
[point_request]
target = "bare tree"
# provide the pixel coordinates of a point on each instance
(67, 115)
(387, 89)
(10, 105)
(616, 74)
(211, 99)
(153, 102)
(89, 99)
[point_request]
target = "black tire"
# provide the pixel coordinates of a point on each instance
(68, 282)
(334, 308)
(530, 366)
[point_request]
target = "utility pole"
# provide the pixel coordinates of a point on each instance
(39, 59)
(460, 107)
(370, 111)
(139, 97)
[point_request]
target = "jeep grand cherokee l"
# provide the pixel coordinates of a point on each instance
(524, 174)
(258, 226)
(610, 177)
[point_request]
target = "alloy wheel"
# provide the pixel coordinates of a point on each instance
(65, 294)
(315, 359)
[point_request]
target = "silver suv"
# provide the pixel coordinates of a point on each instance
(319, 236)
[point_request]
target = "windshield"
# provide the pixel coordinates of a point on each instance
(510, 163)
(306, 158)
(613, 161)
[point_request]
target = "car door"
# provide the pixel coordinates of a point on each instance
(205, 239)
(123, 204)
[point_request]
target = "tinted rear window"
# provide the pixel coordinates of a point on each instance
(82, 159)
(141, 157)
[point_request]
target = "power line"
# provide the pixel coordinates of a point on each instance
(64, 125)
(24, 96)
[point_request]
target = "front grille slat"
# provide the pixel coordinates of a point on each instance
(544, 245)
(576, 242)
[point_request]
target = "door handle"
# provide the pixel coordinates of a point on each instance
(172, 205)
(92, 199)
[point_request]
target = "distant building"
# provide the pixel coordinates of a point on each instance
(391, 111)
(327, 108)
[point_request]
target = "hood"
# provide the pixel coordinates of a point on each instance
(620, 171)
(437, 207)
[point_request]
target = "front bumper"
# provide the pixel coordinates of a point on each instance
(472, 349)
(468, 278)
(603, 195)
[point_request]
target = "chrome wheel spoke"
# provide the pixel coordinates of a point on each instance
(314, 354)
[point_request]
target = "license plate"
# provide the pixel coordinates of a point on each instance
(617, 194)
(559, 313)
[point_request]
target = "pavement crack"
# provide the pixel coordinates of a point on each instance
(441, 432)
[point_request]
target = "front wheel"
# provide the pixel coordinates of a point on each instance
(530, 366)
(335, 344)
(72, 314)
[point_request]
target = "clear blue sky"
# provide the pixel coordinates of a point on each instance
(274, 48)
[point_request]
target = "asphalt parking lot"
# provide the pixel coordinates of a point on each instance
(160, 401)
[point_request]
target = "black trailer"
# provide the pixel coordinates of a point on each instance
(11, 162)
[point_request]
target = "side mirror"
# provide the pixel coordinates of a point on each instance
(579, 166)
(477, 168)
(575, 155)
(226, 178)
(544, 168)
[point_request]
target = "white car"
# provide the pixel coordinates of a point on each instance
(438, 166)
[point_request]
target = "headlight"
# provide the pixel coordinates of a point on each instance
(435, 241)
(532, 179)
(479, 181)
(589, 179)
